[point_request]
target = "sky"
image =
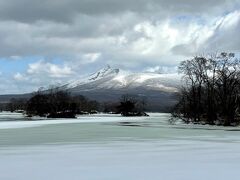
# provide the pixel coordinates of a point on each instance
(54, 41)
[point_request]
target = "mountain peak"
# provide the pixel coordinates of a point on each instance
(104, 72)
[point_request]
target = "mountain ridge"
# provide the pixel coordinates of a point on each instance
(113, 78)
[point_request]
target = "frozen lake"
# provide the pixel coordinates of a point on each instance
(111, 147)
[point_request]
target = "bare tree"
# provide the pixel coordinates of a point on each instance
(211, 90)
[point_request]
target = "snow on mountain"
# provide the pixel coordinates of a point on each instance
(110, 78)
(101, 74)
(163, 82)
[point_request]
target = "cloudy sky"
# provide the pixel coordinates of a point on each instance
(53, 41)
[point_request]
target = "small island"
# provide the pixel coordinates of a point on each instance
(59, 104)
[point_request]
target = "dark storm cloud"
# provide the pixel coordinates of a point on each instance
(67, 10)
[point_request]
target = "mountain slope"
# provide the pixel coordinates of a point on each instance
(110, 84)
(116, 79)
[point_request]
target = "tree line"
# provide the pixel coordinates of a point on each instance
(56, 103)
(211, 90)
(59, 104)
(53, 103)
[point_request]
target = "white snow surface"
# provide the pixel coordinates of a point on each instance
(181, 160)
(22, 122)
(110, 147)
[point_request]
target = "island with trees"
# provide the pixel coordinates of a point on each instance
(211, 90)
(131, 106)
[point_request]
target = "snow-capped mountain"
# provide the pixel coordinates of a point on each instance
(109, 84)
(116, 79)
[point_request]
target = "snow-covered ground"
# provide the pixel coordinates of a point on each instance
(110, 147)
(18, 120)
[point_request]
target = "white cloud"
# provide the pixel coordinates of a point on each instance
(20, 77)
(226, 34)
(161, 69)
(91, 57)
(49, 69)
(38, 74)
